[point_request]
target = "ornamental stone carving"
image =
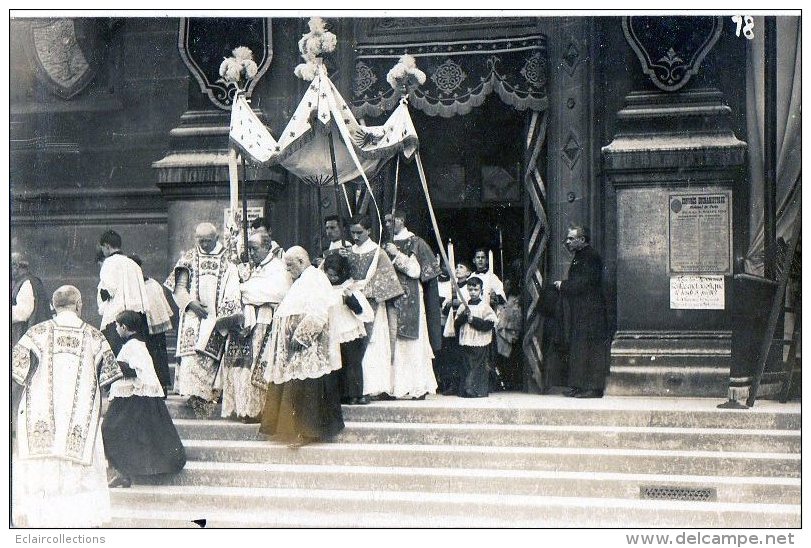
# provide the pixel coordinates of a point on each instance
(534, 70)
(671, 49)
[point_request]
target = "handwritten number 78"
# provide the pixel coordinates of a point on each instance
(745, 23)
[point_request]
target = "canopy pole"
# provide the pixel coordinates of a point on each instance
(244, 195)
(338, 209)
(396, 183)
(320, 220)
(437, 235)
(394, 195)
(501, 250)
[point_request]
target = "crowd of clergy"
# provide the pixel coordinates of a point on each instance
(283, 339)
(277, 337)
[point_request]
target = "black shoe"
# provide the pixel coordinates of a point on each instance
(420, 398)
(251, 420)
(588, 394)
(570, 392)
(363, 400)
(732, 404)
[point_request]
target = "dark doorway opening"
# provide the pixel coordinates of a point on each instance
(499, 228)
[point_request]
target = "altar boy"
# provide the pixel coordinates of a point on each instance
(474, 323)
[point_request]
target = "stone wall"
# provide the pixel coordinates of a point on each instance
(82, 165)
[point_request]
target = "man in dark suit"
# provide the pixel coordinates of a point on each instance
(583, 320)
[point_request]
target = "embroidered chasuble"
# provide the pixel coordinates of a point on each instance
(408, 304)
(383, 283)
(212, 280)
(68, 361)
(59, 473)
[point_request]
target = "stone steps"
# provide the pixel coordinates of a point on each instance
(514, 460)
(645, 461)
(525, 435)
(518, 409)
(762, 490)
(347, 508)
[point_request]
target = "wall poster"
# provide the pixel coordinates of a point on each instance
(700, 233)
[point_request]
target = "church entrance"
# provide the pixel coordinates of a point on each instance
(473, 163)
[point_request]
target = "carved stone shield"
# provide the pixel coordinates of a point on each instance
(671, 48)
(205, 42)
(66, 53)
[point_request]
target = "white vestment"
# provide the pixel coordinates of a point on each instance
(122, 278)
(412, 368)
(376, 362)
(59, 476)
(21, 311)
(303, 317)
(491, 285)
(145, 383)
(159, 313)
(244, 387)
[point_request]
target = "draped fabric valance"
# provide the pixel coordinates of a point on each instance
(460, 75)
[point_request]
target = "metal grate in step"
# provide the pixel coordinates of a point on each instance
(670, 492)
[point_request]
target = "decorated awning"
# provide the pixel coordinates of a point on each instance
(461, 74)
(303, 147)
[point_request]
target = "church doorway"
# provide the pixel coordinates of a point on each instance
(474, 166)
(473, 163)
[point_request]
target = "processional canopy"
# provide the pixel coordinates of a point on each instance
(303, 146)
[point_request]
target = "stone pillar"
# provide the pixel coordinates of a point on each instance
(667, 144)
(193, 178)
(193, 175)
(571, 156)
(675, 164)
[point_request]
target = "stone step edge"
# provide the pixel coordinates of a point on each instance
(474, 427)
(209, 466)
(539, 501)
(622, 404)
(379, 447)
(134, 517)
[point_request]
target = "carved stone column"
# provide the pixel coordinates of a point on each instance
(674, 149)
(571, 156)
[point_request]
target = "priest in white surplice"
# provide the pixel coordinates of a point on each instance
(59, 473)
(376, 278)
(205, 286)
(121, 287)
(244, 386)
(303, 400)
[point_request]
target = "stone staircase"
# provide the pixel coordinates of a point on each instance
(511, 460)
